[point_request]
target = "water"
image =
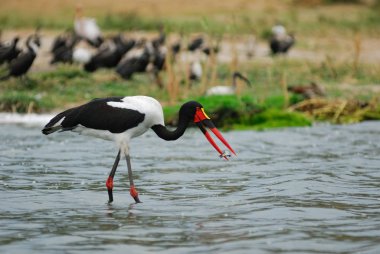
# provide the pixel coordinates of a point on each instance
(297, 190)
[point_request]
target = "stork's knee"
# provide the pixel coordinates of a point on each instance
(109, 183)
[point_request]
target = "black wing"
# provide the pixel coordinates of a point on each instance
(97, 114)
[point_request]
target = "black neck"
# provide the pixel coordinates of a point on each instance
(166, 134)
(29, 46)
(14, 43)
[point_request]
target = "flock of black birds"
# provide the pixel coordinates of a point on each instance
(109, 54)
(18, 61)
(125, 56)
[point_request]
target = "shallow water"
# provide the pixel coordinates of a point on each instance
(297, 190)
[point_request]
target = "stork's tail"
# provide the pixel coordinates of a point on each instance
(50, 130)
(55, 123)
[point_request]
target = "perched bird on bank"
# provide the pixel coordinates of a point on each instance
(278, 30)
(110, 56)
(151, 60)
(280, 41)
(195, 44)
(311, 91)
(19, 66)
(175, 47)
(122, 118)
(63, 48)
(87, 29)
(9, 52)
(281, 45)
(59, 41)
(228, 90)
(160, 40)
(135, 64)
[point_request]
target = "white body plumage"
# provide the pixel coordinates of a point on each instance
(148, 106)
(221, 90)
(87, 28)
(81, 55)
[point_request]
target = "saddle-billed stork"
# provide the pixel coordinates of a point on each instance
(122, 118)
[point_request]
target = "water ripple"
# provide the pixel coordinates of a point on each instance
(296, 190)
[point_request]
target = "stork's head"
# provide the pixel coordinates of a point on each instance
(195, 112)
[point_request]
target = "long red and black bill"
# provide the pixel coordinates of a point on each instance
(202, 121)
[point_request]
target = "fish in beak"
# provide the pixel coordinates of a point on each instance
(202, 121)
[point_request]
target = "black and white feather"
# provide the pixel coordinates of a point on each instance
(280, 41)
(114, 118)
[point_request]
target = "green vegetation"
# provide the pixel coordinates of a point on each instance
(242, 113)
(262, 106)
(334, 40)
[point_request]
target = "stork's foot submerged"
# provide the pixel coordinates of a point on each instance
(134, 194)
(137, 199)
(109, 184)
(110, 196)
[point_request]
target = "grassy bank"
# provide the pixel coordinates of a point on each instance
(333, 49)
(266, 104)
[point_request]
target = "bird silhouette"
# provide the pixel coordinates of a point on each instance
(19, 66)
(87, 29)
(9, 52)
(228, 90)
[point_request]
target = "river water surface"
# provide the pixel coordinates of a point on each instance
(296, 190)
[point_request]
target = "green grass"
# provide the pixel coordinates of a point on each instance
(242, 113)
(22, 101)
(68, 86)
(261, 106)
(275, 118)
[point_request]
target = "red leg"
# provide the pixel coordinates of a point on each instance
(132, 189)
(134, 194)
(109, 182)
